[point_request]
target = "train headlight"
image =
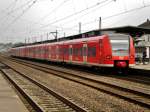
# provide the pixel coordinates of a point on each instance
(132, 56)
(108, 57)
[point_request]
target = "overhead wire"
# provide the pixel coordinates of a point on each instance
(9, 6)
(105, 18)
(91, 12)
(20, 7)
(73, 14)
(10, 13)
(5, 17)
(5, 10)
(115, 15)
(86, 14)
(14, 5)
(54, 10)
(128, 11)
(24, 11)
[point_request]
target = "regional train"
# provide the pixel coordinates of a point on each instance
(111, 50)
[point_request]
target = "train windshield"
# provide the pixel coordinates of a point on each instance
(120, 45)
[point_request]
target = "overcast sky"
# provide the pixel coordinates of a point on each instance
(20, 19)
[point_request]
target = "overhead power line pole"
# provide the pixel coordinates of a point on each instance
(55, 34)
(79, 27)
(100, 23)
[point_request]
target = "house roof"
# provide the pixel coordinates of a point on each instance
(145, 24)
(131, 30)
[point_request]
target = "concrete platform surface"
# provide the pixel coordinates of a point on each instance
(142, 67)
(9, 100)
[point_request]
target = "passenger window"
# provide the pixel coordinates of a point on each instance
(70, 51)
(84, 51)
(66, 52)
(77, 51)
(92, 51)
(80, 53)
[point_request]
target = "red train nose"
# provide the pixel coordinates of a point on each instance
(121, 64)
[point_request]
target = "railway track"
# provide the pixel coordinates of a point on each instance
(131, 95)
(139, 79)
(38, 95)
(134, 78)
(131, 77)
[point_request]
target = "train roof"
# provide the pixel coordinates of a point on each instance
(68, 41)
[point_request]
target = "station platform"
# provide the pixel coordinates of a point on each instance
(9, 100)
(142, 66)
(141, 69)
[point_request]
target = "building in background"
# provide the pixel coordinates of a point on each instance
(143, 43)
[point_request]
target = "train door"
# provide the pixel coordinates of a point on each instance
(93, 52)
(100, 51)
(33, 51)
(70, 53)
(78, 53)
(57, 51)
(46, 53)
(84, 53)
(49, 52)
(60, 52)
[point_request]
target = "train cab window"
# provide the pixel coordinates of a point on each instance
(92, 51)
(120, 44)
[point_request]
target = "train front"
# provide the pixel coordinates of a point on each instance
(123, 51)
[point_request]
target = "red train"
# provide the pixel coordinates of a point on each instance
(114, 50)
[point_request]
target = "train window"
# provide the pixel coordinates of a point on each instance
(66, 51)
(80, 53)
(120, 45)
(52, 51)
(70, 51)
(57, 50)
(77, 51)
(60, 51)
(92, 51)
(84, 51)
